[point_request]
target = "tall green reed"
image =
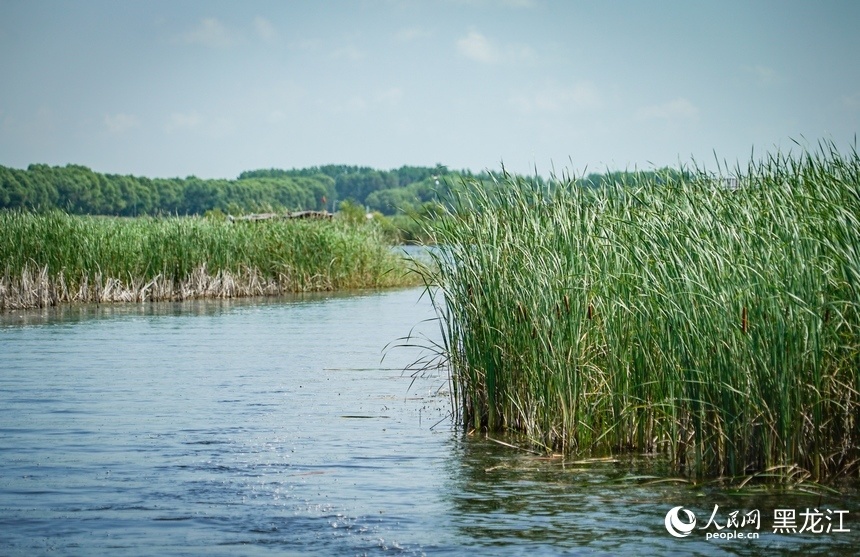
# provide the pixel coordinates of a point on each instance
(666, 313)
(166, 253)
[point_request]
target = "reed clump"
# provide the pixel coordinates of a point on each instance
(54, 258)
(667, 313)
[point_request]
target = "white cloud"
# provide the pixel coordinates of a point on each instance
(210, 126)
(390, 96)
(412, 33)
(220, 127)
(264, 28)
(352, 104)
(276, 116)
(348, 52)
(307, 45)
(851, 102)
(554, 99)
(763, 75)
(39, 123)
(211, 33)
(275, 102)
(676, 110)
(476, 46)
(118, 123)
(356, 104)
(498, 3)
(180, 121)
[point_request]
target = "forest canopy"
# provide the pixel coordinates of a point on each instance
(77, 189)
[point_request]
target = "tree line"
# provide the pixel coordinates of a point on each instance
(77, 189)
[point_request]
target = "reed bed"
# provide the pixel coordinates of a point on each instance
(54, 258)
(666, 314)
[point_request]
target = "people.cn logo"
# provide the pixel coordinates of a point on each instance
(676, 526)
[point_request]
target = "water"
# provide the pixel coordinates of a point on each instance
(272, 427)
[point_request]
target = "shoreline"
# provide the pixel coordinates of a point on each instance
(38, 289)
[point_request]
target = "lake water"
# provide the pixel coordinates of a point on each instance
(274, 427)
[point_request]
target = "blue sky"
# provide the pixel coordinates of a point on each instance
(207, 88)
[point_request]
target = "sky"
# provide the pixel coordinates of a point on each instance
(208, 88)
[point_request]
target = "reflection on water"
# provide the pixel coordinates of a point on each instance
(81, 312)
(275, 427)
(507, 501)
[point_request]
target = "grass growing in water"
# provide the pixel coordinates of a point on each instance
(720, 326)
(53, 258)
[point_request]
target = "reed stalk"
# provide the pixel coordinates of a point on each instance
(662, 314)
(53, 258)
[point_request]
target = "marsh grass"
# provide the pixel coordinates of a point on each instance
(663, 314)
(48, 259)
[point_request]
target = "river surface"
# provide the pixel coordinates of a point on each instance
(275, 427)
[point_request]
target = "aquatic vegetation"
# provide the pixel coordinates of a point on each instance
(47, 259)
(666, 313)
